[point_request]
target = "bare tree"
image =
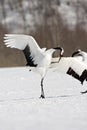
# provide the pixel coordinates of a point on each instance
(3, 9)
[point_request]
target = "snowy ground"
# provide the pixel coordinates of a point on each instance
(21, 108)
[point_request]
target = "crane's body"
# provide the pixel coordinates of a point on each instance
(71, 66)
(39, 59)
(82, 57)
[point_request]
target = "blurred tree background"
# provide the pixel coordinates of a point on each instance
(52, 23)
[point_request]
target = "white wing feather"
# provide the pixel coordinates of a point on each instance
(85, 57)
(21, 41)
(67, 62)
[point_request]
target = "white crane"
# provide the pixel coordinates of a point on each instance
(81, 56)
(71, 66)
(39, 59)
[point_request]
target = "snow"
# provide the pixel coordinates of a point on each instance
(64, 108)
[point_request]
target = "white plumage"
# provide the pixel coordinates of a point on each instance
(71, 66)
(21, 41)
(39, 59)
(67, 62)
(82, 57)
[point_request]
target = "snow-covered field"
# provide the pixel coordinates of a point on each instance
(64, 108)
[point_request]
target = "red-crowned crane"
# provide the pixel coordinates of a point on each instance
(81, 56)
(39, 59)
(71, 66)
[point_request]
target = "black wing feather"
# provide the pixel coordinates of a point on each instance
(75, 75)
(28, 57)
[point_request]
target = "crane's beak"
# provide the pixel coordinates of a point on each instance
(62, 52)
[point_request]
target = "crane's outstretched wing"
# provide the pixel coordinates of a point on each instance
(71, 66)
(30, 48)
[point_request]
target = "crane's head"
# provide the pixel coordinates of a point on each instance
(61, 52)
(78, 53)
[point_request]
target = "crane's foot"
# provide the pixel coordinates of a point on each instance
(84, 92)
(42, 96)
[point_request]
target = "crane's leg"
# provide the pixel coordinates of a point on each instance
(42, 90)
